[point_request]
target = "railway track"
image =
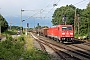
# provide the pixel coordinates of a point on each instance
(88, 43)
(82, 47)
(73, 52)
(67, 52)
(43, 48)
(80, 51)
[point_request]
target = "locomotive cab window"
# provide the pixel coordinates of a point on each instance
(69, 28)
(66, 28)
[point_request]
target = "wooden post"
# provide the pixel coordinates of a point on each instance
(75, 19)
(78, 25)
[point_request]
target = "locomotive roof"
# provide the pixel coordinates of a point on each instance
(64, 25)
(60, 25)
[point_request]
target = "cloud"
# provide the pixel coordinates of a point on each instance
(13, 7)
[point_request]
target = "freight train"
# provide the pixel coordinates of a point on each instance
(61, 33)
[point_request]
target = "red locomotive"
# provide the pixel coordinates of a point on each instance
(60, 32)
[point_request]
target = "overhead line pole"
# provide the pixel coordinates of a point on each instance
(0, 26)
(10, 23)
(78, 25)
(35, 14)
(75, 19)
(21, 20)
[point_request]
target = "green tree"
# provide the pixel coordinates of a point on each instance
(67, 10)
(84, 20)
(15, 27)
(3, 23)
(87, 11)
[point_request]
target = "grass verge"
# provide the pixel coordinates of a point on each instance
(20, 48)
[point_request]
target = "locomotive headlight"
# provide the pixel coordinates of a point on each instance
(71, 38)
(63, 33)
(71, 33)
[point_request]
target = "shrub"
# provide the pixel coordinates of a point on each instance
(13, 49)
(21, 38)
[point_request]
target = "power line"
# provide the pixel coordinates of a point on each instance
(41, 11)
(52, 8)
(74, 4)
(31, 16)
(79, 2)
(82, 3)
(49, 3)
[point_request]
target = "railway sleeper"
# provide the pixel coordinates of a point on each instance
(69, 56)
(81, 54)
(76, 55)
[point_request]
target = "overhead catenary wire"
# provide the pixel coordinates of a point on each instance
(46, 7)
(74, 4)
(43, 10)
(31, 16)
(52, 7)
(49, 3)
(79, 2)
(40, 11)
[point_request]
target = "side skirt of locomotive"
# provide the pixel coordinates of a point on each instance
(63, 39)
(67, 39)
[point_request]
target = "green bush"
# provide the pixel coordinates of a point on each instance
(13, 49)
(35, 54)
(21, 38)
(9, 37)
(10, 32)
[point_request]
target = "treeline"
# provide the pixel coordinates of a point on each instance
(82, 22)
(14, 28)
(3, 24)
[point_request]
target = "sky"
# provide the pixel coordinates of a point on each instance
(36, 10)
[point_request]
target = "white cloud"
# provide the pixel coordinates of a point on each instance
(12, 7)
(78, 3)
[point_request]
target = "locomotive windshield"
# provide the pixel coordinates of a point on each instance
(66, 28)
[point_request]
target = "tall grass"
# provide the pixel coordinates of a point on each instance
(20, 48)
(9, 32)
